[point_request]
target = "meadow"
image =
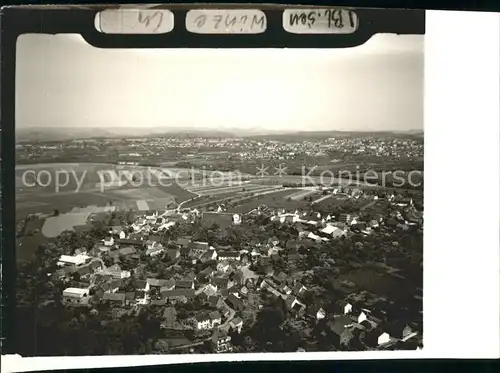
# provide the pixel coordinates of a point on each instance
(78, 185)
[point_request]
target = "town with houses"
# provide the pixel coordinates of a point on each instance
(210, 280)
(224, 152)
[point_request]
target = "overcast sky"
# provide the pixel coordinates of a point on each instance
(62, 81)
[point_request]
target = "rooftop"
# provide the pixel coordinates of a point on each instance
(228, 254)
(339, 325)
(114, 296)
(75, 292)
(214, 315)
(178, 293)
(236, 321)
(201, 317)
(158, 282)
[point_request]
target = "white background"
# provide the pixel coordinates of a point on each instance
(461, 233)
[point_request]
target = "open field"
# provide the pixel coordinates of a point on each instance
(49, 178)
(301, 180)
(279, 199)
(122, 199)
(226, 197)
(213, 189)
(203, 176)
(207, 200)
(302, 194)
(139, 193)
(328, 181)
(62, 202)
(323, 198)
(228, 187)
(79, 186)
(335, 201)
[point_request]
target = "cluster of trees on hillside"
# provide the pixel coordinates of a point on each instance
(54, 330)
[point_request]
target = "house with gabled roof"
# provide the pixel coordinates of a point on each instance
(236, 324)
(298, 289)
(208, 255)
(141, 285)
(332, 231)
(158, 283)
(184, 284)
(170, 284)
(198, 245)
(221, 342)
(207, 272)
(343, 307)
(130, 298)
(221, 282)
(111, 286)
(96, 265)
(360, 316)
(183, 241)
(215, 318)
(108, 241)
(116, 272)
(234, 302)
(203, 321)
(129, 242)
(123, 252)
(229, 255)
(154, 249)
(317, 311)
(398, 330)
(295, 305)
(215, 301)
(178, 295)
(114, 298)
(223, 266)
(65, 271)
(158, 302)
(376, 338)
(342, 330)
(84, 272)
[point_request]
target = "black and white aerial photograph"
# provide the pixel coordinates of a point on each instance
(212, 201)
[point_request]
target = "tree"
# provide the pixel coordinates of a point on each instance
(75, 276)
(108, 261)
(267, 332)
(237, 339)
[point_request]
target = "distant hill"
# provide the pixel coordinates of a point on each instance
(314, 135)
(63, 133)
(60, 134)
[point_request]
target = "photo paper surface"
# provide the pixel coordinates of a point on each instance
(174, 201)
